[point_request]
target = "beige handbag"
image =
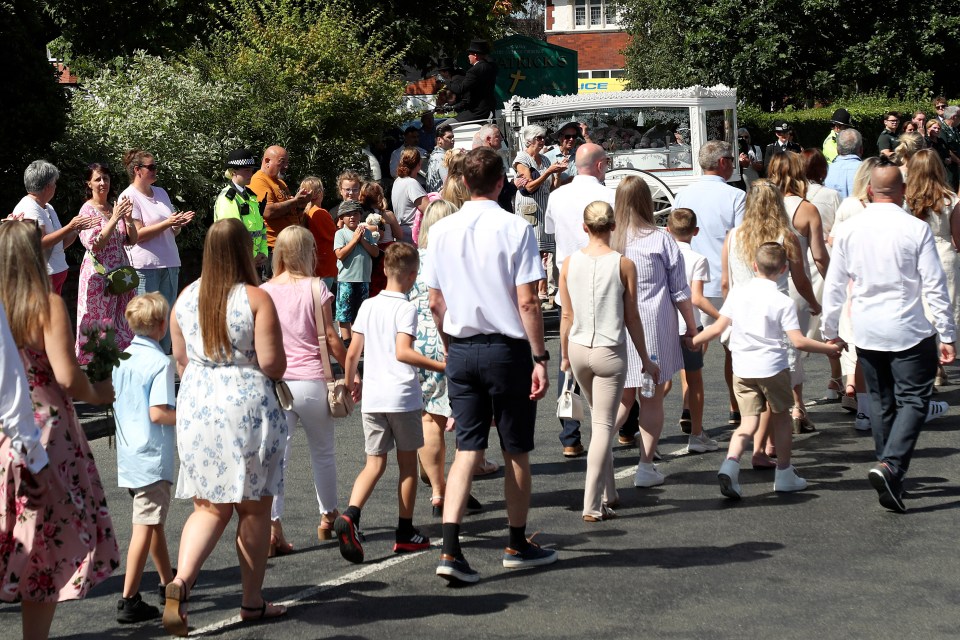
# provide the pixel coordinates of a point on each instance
(529, 213)
(339, 398)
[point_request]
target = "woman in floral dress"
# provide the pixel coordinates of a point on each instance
(231, 432)
(105, 241)
(58, 544)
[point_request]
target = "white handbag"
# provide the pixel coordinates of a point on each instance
(569, 404)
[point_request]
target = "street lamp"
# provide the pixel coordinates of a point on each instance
(516, 117)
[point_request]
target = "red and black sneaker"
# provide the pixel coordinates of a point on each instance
(349, 537)
(411, 541)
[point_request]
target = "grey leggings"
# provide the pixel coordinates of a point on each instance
(601, 372)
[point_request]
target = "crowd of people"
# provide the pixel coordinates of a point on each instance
(431, 305)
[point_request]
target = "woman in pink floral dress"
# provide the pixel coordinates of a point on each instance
(105, 241)
(59, 542)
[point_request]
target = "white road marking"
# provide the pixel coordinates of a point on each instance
(323, 586)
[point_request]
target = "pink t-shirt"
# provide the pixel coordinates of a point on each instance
(159, 251)
(294, 302)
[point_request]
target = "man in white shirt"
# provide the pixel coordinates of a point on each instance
(482, 270)
(719, 208)
(564, 219)
(891, 258)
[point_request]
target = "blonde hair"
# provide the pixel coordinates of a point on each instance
(633, 211)
(399, 259)
(24, 284)
(787, 173)
(682, 222)
(295, 252)
(770, 258)
(927, 188)
(455, 190)
(146, 312)
(764, 220)
(861, 179)
(311, 183)
(436, 210)
(227, 262)
(598, 216)
(910, 143)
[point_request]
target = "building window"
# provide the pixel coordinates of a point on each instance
(602, 13)
(617, 73)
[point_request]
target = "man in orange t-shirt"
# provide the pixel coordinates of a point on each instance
(280, 210)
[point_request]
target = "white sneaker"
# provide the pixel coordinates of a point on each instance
(936, 409)
(728, 475)
(647, 476)
(701, 443)
(787, 480)
(862, 423)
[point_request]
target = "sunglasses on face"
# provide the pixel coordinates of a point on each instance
(941, 106)
(569, 136)
(149, 167)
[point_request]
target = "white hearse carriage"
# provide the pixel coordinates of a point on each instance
(653, 133)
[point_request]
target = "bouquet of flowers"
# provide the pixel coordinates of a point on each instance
(101, 344)
(376, 224)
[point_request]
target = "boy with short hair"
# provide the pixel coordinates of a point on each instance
(145, 415)
(760, 315)
(385, 329)
(355, 249)
(682, 225)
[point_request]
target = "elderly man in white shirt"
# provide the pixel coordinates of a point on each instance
(487, 311)
(891, 258)
(719, 208)
(564, 219)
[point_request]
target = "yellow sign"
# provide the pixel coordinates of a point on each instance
(601, 85)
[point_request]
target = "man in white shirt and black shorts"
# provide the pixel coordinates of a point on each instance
(890, 257)
(482, 270)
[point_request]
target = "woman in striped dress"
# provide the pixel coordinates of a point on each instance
(538, 176)
(662, 290)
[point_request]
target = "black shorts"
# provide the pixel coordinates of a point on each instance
(488, 380)
(692, 360)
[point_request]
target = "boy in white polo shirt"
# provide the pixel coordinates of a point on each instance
(760, 315)
(146, 441)
(384, 331)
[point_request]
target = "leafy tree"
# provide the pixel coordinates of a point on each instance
(94, 31)
(33, 103)
(794, 52)
(317, 84)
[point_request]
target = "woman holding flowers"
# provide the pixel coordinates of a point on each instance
(56, 536)
(105, 241)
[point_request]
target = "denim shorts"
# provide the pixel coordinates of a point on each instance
(488, 380)
(350, 295)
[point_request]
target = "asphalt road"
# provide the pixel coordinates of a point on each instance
(679, 562)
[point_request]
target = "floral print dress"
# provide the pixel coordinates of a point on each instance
(433, 383)
(96, 305)
(231, 432)
(60, 550)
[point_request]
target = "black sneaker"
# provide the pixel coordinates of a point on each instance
(349, 537)
(888, 488)
(134, 609)
(409, 542)
(456, 570)
(473, 505)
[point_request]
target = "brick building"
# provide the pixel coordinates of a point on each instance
(591, 28)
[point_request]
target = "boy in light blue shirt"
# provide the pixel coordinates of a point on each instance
(145, 414)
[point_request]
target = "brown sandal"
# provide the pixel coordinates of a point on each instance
(175, 620)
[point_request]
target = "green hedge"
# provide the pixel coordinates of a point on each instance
(811, 126)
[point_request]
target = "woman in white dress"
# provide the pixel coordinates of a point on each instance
(765, 220)
(929, 198)
(662, 290)
(231, 432)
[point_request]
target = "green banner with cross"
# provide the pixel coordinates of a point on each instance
(530, 68)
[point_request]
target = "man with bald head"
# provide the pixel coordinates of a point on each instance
(890, 257)
(280, 209)
(564, 219)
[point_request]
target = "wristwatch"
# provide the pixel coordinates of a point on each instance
(541, 359)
